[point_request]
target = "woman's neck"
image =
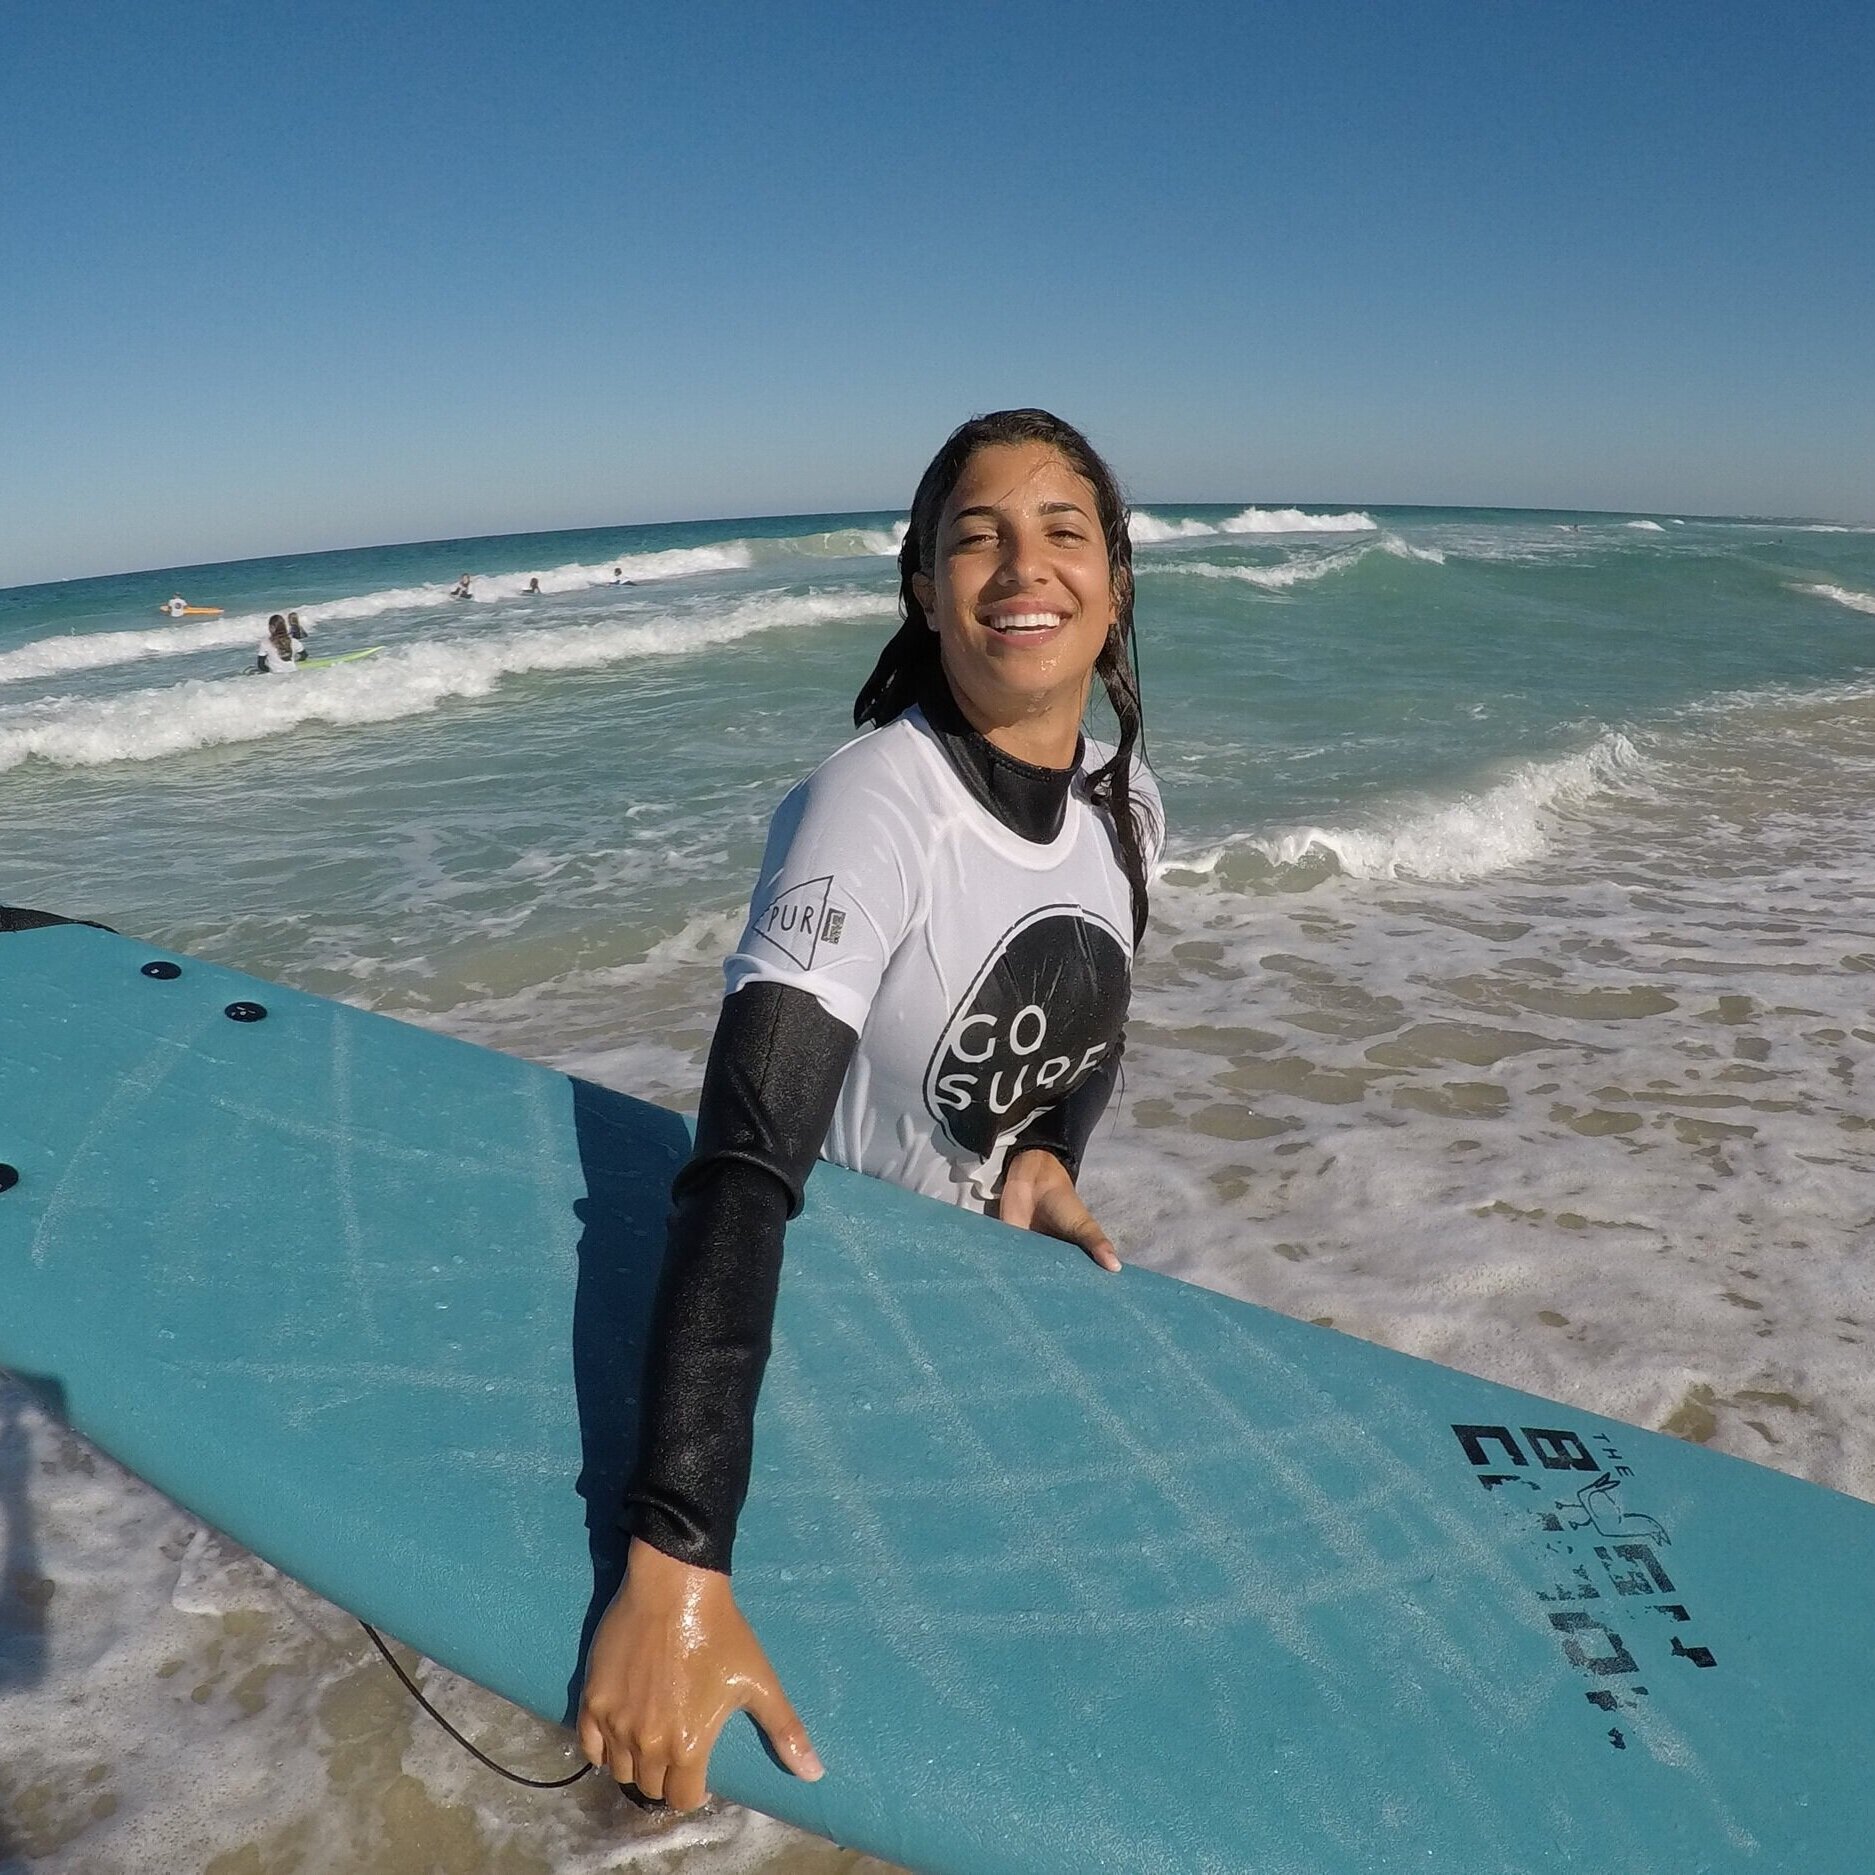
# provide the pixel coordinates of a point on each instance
(1029, 798)
(1044, 732)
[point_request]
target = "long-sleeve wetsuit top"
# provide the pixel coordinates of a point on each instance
(935, 968)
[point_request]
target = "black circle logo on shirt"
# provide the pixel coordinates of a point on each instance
(1042, 1013)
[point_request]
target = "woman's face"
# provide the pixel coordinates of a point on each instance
(1021, 593)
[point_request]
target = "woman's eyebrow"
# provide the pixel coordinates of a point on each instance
(992, 513)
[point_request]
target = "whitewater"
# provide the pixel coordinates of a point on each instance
(1506, 1001)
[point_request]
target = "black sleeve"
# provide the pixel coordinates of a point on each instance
(774, 1076)
(1065, 1128)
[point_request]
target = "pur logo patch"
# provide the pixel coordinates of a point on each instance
(1042, 1013)
(796, 923)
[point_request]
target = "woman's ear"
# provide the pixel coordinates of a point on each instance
(924, 590)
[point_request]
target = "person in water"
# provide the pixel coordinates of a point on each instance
(177, 605)
(931, 988)
(295, 630)
(533, 585)
(277, 650)
(461, 588)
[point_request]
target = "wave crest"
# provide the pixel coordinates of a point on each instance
(1287, 573)
(1148, 529)
(91, 651)
(1447, 842)
(208, 713)
(1843, 595)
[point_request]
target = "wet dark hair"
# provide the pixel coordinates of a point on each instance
(276, 630)
(910, 663)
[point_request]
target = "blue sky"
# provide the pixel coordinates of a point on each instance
(313, 278)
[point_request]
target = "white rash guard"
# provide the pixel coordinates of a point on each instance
(985, 975)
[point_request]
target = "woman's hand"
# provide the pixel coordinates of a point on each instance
(671, 1660)
(1039, 1195)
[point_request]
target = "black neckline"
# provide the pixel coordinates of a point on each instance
(1031, 801)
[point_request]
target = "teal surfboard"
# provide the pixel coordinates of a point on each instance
(1066, 1572)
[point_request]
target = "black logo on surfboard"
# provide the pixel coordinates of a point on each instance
(1591, 1584)
(1043, 1011)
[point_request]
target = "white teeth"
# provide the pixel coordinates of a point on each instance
(1025, 622)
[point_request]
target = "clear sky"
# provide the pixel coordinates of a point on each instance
(314, 276)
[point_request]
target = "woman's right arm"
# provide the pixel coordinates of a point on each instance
(673, 1657)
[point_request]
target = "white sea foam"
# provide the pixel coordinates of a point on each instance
(851, 543)
(1508, 824)
(1148, 529)
(1296, 572)
(1843, 595)
(408, 682)
(90, 651)
(1295, 521)
(1646, 527)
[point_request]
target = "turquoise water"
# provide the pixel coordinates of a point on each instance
(592, 767)
(1507, 996)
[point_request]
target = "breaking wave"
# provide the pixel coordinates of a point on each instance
(1843, 595)
(412, 681)
(1508, 824)
(1287, 573)
(90, 651)
(1148, 529)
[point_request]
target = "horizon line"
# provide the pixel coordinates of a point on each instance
(814, 514)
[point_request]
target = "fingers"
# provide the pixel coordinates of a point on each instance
(684, 1786)
(782, 1725)
(1083, 1229)
(1038, 1194)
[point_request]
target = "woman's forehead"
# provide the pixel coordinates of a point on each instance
(1027, 477)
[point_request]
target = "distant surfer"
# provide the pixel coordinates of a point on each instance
(932, 988)
(177, 606)
(618, 576)
(461, 588)
(533, 585)
(277, 650)
(295, 630)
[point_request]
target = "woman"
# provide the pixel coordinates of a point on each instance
(931, 988)
(277, 650)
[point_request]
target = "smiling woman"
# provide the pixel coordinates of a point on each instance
(931, 988)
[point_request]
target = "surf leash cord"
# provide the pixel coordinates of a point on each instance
(416, 1693)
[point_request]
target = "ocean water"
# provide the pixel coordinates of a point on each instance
(1507, 1001)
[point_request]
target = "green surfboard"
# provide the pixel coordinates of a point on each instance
(344, 657)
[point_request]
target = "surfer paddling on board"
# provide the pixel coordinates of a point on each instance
(931, 988)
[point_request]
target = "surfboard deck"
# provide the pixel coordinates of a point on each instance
(1065, 1571)
(343, 657)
